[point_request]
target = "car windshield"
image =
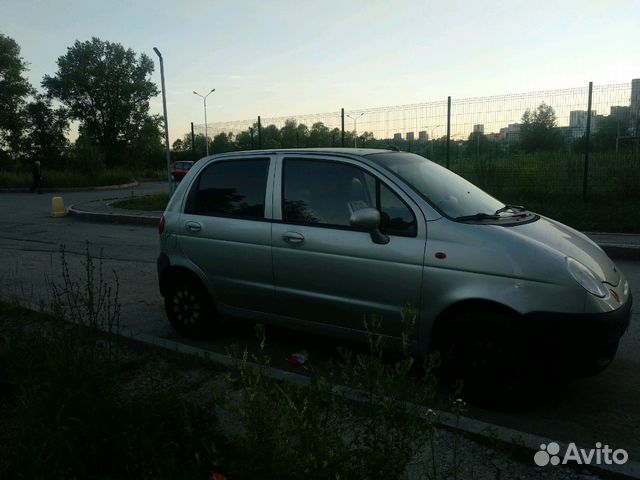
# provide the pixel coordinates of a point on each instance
(451, 194)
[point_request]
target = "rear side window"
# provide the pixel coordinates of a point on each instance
(231, 189)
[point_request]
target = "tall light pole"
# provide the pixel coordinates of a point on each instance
(166, 121)
(206, 130)
(355, 130)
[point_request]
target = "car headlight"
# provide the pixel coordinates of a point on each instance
(586, 278)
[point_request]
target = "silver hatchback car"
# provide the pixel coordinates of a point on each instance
(316, 239)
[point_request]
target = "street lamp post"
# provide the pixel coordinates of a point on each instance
(166, 121)
(355, 129)
(431, 130)
(206, 131)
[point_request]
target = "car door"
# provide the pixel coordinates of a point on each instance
(226, 230)
(329, 273)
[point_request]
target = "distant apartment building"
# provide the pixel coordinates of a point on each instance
(621, 114)
(478, 128)
(510, 133)
(422, 136)
(578, 122)
(410, 137)
(397, 137)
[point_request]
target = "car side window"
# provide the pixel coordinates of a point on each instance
(234, 188)
(396, 218)
(323, 192)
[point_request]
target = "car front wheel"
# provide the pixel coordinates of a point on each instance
(489, 353)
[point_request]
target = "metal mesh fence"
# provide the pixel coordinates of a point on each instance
(491, 115)
(493, 140)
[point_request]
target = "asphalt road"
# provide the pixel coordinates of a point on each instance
(604, 408)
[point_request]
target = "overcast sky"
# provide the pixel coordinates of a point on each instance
(276, 58)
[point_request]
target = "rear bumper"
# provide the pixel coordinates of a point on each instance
(578, 344)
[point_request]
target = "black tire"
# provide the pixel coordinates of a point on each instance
(488, 352)
(190, 309)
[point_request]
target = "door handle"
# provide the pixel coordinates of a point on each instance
(193, 226)
(293, 237)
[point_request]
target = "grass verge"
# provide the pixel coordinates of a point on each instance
(72, 408)
(156, 202)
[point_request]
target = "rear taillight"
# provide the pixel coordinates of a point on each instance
(161, 225)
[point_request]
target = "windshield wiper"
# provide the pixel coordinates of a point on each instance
(518, 208)
(478, 216)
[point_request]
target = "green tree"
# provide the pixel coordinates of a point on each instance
(289, 134)
(14, 88)
(538, 131)
(303, 135)
(179, 145)
(44, 135)
(106, 87)
(247, 139)
(223, 142)
(319, 135)
(271, 137)
(477, 143)
(146, 148)
(606, 134)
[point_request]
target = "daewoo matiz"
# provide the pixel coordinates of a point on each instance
(317, 239)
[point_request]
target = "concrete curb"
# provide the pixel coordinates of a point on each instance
(103, 217)
(72, 189)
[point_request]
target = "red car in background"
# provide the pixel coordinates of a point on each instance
(179, 170)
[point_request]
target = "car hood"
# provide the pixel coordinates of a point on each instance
(568, 242)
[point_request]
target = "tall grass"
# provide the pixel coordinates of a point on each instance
(67, 179)
(539, 176)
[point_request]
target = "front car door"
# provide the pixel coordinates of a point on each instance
(329, 273)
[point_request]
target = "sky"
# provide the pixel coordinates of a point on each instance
(277, 58)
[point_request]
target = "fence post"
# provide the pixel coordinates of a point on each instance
(259, 134)
(193, 139)
(586, 148)
(448, 129)
(342, 115)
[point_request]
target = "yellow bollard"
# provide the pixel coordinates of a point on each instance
(57, 207)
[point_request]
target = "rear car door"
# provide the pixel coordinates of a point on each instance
(226, 230)
(327, 272)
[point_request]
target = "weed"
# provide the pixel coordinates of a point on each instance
(91, 301)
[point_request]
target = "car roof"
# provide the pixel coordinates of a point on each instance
(335, 150)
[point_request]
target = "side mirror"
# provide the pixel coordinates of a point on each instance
(368, 219)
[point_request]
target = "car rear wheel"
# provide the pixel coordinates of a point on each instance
(489, 354)
(190, 309)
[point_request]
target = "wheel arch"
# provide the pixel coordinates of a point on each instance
(443, 323)
(178, 271)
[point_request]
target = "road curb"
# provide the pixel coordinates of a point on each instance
(104, 217)
(621, 252)
(72, 189)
